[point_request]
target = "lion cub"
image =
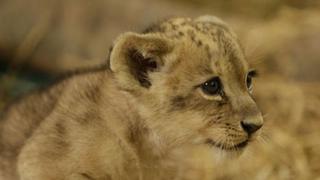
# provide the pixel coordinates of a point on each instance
(180, 84)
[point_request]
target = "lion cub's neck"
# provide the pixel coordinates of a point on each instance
(145, 145)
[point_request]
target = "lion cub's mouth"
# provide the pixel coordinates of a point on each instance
(228, 148)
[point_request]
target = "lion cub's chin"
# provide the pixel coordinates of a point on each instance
(221, 155)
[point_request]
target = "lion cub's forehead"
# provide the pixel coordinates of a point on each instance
(201, 32)
(210, 41)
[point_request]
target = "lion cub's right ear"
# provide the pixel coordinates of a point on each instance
(135, 56)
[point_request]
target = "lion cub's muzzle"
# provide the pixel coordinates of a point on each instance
(246, 129)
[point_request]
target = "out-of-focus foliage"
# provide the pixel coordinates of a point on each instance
(281, 38)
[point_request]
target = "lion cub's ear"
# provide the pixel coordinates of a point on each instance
(135, 56)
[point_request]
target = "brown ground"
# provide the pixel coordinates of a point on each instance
(282, 37)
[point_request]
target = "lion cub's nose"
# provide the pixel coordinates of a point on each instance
(250, 127)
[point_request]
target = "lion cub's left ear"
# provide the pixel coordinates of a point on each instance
(135, 56)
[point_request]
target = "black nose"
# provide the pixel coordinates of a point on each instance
(250, 127)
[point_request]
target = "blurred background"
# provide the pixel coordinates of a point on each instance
(42, 39)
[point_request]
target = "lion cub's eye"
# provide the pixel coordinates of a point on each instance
(250, 75)
(212, 86)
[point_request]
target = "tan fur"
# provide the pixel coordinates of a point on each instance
(142, 117)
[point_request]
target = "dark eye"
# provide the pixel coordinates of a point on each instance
(211, 87)
(250, 75)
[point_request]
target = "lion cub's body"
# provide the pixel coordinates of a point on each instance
(137, 119)
(69, 134)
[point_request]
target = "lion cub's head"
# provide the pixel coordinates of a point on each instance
(191, 82)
